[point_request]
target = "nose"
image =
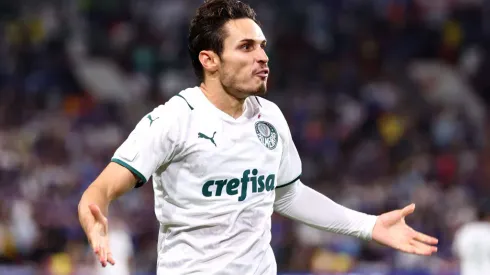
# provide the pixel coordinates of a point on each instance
(262, 56)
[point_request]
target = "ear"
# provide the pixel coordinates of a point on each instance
(209, 61)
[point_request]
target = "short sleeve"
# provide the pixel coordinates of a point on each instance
(151, 144)
(290, 166)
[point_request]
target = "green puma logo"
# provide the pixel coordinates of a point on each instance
(201, 135)
(151, 120)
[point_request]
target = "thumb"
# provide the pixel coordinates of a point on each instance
(408, 210)
(95, 210)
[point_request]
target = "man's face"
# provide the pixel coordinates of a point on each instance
(243, 68)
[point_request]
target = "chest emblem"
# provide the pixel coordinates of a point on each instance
(267, 134)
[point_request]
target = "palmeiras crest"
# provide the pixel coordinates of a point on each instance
(267, 134)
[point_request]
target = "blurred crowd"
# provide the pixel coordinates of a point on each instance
(386, 100)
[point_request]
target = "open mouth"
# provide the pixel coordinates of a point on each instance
(263, 73)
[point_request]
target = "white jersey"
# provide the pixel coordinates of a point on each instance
(472, 246)
(214, 179)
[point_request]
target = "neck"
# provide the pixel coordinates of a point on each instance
(223, 100)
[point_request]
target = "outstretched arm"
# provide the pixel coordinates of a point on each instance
(113, 182)
(306, 205)
(150, 145)
(303, 204)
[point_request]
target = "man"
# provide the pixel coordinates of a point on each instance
(471, 244)
(222, 160)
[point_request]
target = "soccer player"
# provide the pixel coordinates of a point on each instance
(222, 160)
(471, 244)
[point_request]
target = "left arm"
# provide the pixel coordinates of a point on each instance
(301, 203)
(306, 205)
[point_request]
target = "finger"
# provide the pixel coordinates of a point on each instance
(407, 248)
(425, 238)
(102, 256)
(101, 251)
(412, 250)
(95, 242)
(95, 210)
(95, 245)
(408, 210)
(422, 249)
(110, 258)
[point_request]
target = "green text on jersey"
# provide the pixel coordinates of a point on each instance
(235, 186)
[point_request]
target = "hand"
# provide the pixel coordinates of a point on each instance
(98, 236)
(391, 230)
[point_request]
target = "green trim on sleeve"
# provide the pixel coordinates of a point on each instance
(185, 101)
(289, 183)
(142, 179)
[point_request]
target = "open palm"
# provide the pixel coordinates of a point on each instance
(98, 235)
(391, 230)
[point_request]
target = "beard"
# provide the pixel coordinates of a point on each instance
(241, 89)
(262, 89)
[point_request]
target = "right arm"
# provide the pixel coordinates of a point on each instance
(149, 146)
(113, 182)
(93, 208)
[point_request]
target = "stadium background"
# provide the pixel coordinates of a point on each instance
(386, 100)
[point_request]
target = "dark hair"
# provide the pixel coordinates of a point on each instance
(206, 29)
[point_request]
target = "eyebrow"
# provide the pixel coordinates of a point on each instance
(249, 40)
